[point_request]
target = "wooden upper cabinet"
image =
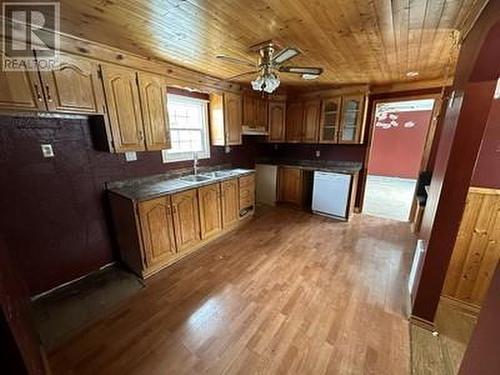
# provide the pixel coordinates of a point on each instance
(276, 121)
(330, 120)
(225, 119)
(21, 91)
(294, 121)
(186, 219)
(249, 108)
(311, 121)
(261, 105)
(74, 86)
(153, 96)
(230, 202)
(351, 124)
(290, 185)
(209, 199)
(124, 109)
(157, 228)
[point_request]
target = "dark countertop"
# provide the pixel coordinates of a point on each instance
(316, 165)
(169, 183)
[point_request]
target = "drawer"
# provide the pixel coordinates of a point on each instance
(247, 181)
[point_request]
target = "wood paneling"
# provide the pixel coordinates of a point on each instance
(124, 109)
(21, 90)
(477, 248)
(186, 219)
(157, 230)
(361, 41)
(230, 202)
(153, 94)
(276, 121)
(209, 198)
(74, 86)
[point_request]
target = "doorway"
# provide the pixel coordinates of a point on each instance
(398, 140)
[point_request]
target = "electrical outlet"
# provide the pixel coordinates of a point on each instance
(47, 151)
(276, 146)
(131, 156)
(318, 153)
(227, 149)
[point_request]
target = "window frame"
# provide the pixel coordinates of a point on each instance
(171, 157)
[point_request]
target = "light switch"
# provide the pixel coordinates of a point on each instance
(131, 156)
(227, 149)
(47, 151)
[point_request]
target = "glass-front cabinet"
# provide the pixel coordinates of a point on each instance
(330, 120)
(352, 119)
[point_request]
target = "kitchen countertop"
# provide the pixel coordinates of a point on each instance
(315, 165)
(155, 186)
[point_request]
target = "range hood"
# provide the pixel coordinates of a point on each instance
(254, 130)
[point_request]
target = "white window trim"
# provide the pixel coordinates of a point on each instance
(171, 157)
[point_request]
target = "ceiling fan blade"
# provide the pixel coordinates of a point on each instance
(285, 54)
(301, 70)
(241, 75)
(236, 60)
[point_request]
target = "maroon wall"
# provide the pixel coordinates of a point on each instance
(482, 355)
(463, 131)
(53, 210)
(354, 153)
(487, 170)
(396, 151)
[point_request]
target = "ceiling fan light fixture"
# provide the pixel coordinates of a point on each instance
(309, 77)
(267, 82)
(285, 54)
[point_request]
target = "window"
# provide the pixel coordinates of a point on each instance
(188, 128)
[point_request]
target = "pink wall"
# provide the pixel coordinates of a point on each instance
(397, 150)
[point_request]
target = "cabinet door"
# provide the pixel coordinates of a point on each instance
(330, 120)
(276, 122)
(352, 119)
(247, 192)
(186, 219)
(74, 86)
(217, 128)
(157, 230)
(21, 91)
(294, 119)
(290, 185)
(261, 112)
(230, 202)
(248, 110)
(311, 121)
(233, 118)
(153, 94)
(124, 110)
(209, 198)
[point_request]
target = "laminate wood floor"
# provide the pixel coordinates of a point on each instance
(288, 293)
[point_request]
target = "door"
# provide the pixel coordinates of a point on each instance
(277, 121)
(74, 86)
(21, 91)
(330, 120)
(232, 118)
(294, 119)
(209, 198)
(124, 110)
(311, 121)
(230, 202)
(352, 119)
(153, 96)
(186, 219)
(157, 230)
(290, 185)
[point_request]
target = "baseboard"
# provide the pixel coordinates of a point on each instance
(422, 323)
(461, 306)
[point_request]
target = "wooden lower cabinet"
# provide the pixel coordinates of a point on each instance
(290, 185)
(247, 194)
(186, 219)
(157, 229)
(209, 199)
(155, 233)
(230, 202)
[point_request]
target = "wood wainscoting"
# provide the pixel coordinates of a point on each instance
(477, 249)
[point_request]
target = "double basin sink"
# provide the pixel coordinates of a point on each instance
(202, 177)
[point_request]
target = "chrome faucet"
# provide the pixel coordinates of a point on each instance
(195, 162)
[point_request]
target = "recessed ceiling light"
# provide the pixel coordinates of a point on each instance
(412, 74)
(309, 77)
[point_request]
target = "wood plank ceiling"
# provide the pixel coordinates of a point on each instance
(355, 41)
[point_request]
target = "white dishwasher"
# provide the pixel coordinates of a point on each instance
(331, 194)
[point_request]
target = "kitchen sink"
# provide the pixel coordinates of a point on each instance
(217, 174)
(195, 178)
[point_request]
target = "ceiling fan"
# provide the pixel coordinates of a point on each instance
(271, 60)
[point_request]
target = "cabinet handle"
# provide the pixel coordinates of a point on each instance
(174, 207)
(38, 94)
(49, 98)
(141, 135)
